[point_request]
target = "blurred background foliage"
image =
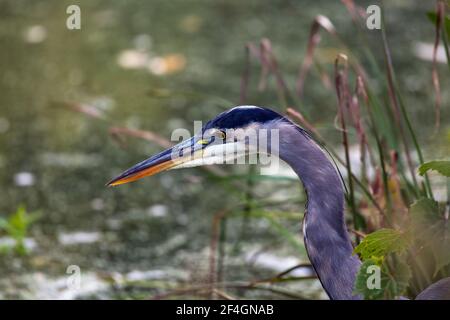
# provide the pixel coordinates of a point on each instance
(160, 65)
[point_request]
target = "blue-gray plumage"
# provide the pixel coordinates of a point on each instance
(325, 234)
(437, 291)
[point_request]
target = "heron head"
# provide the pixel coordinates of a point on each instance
(232, 134)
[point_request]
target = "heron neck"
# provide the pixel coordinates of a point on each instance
(326, 237)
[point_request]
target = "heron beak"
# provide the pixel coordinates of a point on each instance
(182, 153)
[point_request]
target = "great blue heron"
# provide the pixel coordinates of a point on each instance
(325, 234)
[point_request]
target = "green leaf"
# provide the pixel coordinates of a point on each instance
(390, 285)
(443, 167)
(378, 244)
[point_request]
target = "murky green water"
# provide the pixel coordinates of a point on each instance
(157, 65)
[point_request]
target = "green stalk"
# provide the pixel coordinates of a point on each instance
(448, 192)
(335, 155)
(417, 146)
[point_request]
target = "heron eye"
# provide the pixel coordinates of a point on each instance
(221, 134)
